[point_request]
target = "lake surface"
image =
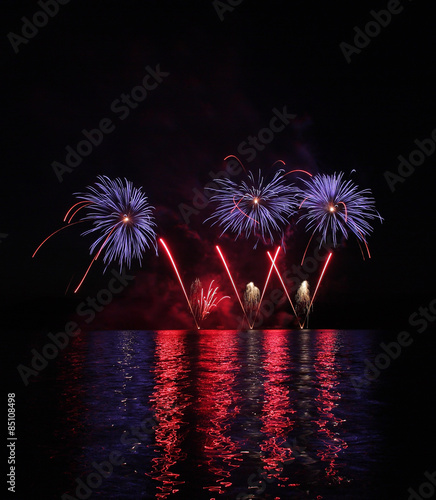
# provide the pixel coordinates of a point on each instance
(269, 414)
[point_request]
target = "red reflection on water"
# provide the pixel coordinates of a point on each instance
(218, 405)
(169, 402)
(72, 397)
(276, 407)
(327, 398)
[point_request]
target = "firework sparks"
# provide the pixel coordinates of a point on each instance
(201, 303)
(251, 296)
(122, 217)
(251, 300)
(254, 207)
(332, 206)
(302, 299)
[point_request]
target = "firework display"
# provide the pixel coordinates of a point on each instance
(121, 218)
(123, 225)
(331, 206)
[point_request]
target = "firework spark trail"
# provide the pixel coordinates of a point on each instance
(345, 208)
(242, 212)
(284, 288)
(301, 204)
(291, 171)
(317, 286)
(307, 247)
(298, 170)
(278, 161)
(366, 245)
(180, 280)
(95, 257)
(266, 284)
(335, 206)
(84, 204)
(60, 229)
(69, 284)
(236, 204)
(71, 208)
(52, 234)
(233, 284)
(238, 160)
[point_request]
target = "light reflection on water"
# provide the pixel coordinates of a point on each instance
(277, 415)
(170, 401)
(258, 413)
(218, 405)
(329, 425)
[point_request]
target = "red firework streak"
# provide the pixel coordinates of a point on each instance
(266, 284)
(82, 204)
(180, 279)
(284, 288)
(96, 257)
(292, 171)
(233, 284)
(317, 286)
(236, 291)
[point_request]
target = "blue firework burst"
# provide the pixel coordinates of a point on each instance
(122, 218)
(254, 207)
(331, 206)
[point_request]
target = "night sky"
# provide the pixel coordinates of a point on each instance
(221, 81)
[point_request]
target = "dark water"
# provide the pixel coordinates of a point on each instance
(227, 414)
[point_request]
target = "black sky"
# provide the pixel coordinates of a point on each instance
(225, 78)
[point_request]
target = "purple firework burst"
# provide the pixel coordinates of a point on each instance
(122, 216)
(254, 207)
(331, 205)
